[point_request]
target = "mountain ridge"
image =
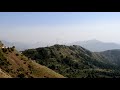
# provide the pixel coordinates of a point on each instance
(74, 61)
(96, 45)
(92, 45)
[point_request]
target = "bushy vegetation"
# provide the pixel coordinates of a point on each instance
(4, 63)
(73, 61)
(17, 54)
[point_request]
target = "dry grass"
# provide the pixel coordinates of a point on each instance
(26, 67)
(4, 75)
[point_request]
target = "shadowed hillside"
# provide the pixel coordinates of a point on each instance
(112, 55)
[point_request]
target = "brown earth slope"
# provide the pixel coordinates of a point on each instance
(4, 75)
(14, 64)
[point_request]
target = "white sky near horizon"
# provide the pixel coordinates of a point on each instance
(60, 27)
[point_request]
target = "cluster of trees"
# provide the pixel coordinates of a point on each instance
(9, 49)
(3, 60)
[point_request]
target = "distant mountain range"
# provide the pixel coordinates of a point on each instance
(92, 45)
(23, 46)
(96, 46)
(19, 46)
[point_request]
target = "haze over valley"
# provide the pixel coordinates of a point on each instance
(92, 45)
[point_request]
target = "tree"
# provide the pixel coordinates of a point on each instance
(17, 54)
(4, 50)
(13, 47)
(52, 67)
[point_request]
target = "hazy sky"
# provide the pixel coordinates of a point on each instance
(59, 26)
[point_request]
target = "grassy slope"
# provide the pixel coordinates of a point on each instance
(17, 65)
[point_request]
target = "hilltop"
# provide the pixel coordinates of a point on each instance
(14, 64)
(74, 61)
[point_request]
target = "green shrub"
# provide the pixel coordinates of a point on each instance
(61, 56)
(21, 76)
(4, 50)
(17, 54)
(29, 66)
(20, 69)
(52, 67)
(12, 49)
